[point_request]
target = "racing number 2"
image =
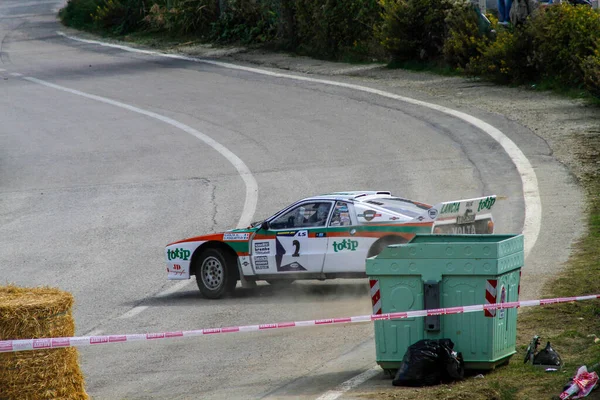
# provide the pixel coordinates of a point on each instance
(297, 246)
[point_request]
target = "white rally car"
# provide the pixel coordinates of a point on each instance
(321, 237)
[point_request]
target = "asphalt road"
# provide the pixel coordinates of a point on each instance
(91, 191)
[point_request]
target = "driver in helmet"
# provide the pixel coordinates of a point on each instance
(319, 218)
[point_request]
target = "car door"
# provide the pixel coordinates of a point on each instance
(295, 242)
(348, 247)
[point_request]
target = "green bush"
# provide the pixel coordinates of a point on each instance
(248, 21)
(413, 29)
(508, 59)
(591, 68)
(182, 16)
(563, 37)
(119, 16)
(331, 28)
(79, 13)
(466, 40)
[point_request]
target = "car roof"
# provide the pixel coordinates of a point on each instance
(357, 195)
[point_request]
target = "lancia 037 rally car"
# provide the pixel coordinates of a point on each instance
(321, 237)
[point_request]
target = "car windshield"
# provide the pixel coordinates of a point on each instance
(399, 205)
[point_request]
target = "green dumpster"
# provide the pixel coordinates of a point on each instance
(440, 271)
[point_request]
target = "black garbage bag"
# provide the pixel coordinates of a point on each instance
(547, 356)
(455, 367)
(429, 362)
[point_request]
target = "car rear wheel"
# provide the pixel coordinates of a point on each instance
(216, 274)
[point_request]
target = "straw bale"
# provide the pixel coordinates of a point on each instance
(31, 313)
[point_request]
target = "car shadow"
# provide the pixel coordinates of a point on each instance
(264, 293)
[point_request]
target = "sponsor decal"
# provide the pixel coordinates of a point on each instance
(179, 254)
(244, 261)
(324, 321)
(464, 230)
(320, 234)
(261, 262)
(369, 215)
(155, 336)
(294, 266)
(235, 236)
(433, 213)
(449, 208)
(486, 203)
(346, 244)
(42, 343)
(286, 233)
(177, 270)
(262, 248)
(397, 218)
(61, 342)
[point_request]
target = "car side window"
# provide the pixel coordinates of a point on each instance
(307, 215)
(341, 215)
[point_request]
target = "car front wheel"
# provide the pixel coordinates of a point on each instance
(216, 274)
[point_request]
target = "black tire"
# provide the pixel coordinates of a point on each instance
(280, 282)
(384, 242)
(216, 273)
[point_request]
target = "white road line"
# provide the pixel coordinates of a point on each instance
(15, 74)
(2, 70)
(133, 312)
(350, 384)
(533, 204)
(175, 288)
(240, 166)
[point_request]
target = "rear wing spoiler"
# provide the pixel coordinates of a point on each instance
(459, 209)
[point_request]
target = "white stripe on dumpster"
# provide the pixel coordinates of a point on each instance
(49, 343)
(377, 307)
(375, 288)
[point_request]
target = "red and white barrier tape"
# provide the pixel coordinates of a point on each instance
(51, 343)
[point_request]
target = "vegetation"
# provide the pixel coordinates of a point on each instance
(558, 47)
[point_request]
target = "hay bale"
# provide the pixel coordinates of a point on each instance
(32, 313)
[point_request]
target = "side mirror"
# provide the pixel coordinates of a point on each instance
(264, 226)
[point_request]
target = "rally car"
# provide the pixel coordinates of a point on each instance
(321, 237)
